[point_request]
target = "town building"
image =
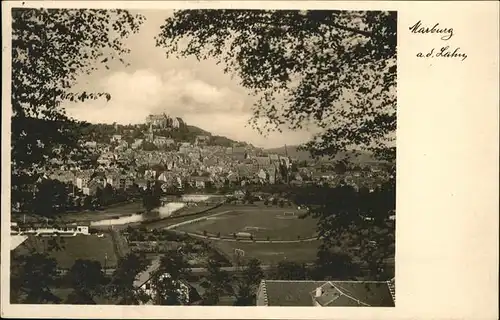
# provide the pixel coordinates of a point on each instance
(137, 143)
(187, 294)
(41, 230)
(202, 139)
(116, 138)
(90, 144)
(160, 141)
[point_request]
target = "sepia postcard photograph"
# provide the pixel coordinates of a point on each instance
(203, 156)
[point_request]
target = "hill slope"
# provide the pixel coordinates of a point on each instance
(102, 133)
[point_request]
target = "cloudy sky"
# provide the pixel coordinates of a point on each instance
(198, 92)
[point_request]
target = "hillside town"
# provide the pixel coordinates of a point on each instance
(194, 163)
(160, 195)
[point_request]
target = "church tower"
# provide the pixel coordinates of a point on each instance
(150, 133)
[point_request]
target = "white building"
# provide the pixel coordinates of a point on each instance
(116, 138)
(91, 144)
(137, 143)
(70, 230)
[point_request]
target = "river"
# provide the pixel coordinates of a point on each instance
(162, 212)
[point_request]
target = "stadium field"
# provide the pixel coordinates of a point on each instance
(262, 223)
(270, 253)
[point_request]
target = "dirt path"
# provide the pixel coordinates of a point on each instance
(119, 243)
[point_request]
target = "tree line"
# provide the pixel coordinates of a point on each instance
(35, 280)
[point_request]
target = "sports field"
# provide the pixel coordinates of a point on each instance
(270, 253)
(70, 249)
(261, 222)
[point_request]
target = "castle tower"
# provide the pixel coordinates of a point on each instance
(175, 123)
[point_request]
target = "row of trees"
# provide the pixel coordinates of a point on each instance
(356, 222)
(102, 133)
(35, 276)
(151, 196)
(35, 279)
(50, 197)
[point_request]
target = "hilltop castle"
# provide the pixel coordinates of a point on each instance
(162, 121)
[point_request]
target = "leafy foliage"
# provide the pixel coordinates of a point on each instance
(290, 270)
(335, 266)
(32, 276)
(167, 279)
(248, 284)
(217, 283)
(356, 222)
(87, 280)
(121, 287)
(51, 197)
(50, 49)
(151, 197)
(335, 69)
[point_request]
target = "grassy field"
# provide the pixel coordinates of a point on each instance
(261, 222)
(271, 253)
(73, 248)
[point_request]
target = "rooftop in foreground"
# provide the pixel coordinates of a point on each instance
(326, 293)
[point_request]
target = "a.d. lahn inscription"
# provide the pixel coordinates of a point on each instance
(445, 34)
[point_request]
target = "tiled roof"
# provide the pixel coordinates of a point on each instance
(263, 161)
(247, 170)
(274, 157)
(198, 178)
(144, 276)
(346, 293)
(392, 288)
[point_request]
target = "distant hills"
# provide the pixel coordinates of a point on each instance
(301, 155)
(292, 151)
